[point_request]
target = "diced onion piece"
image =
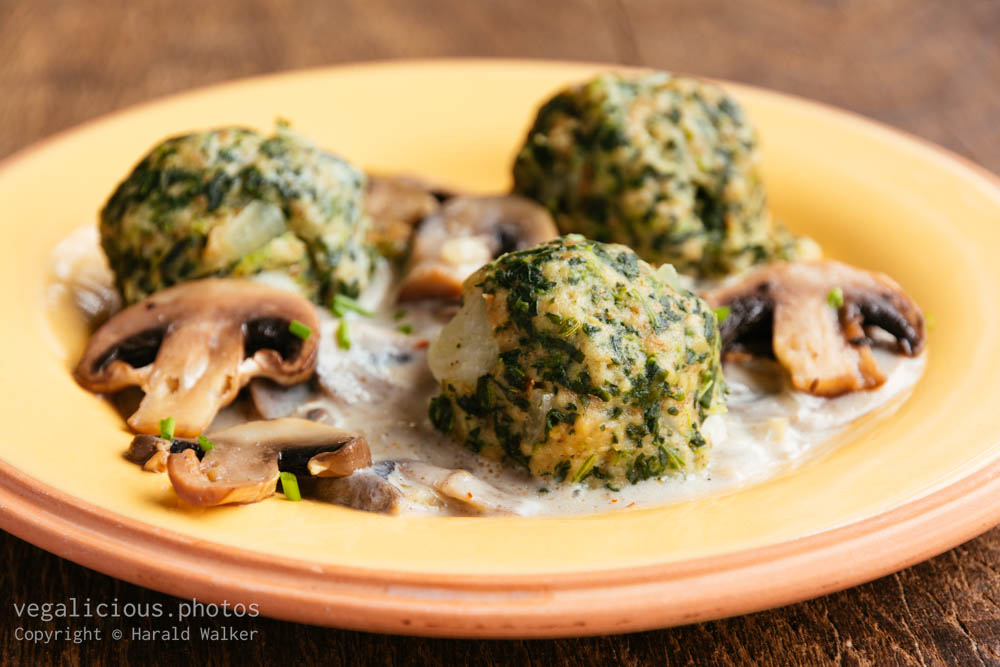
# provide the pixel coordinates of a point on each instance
(466, 347)
(254, 226)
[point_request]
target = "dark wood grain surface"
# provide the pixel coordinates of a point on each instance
(931, 68)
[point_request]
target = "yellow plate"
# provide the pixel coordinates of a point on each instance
(898, 488)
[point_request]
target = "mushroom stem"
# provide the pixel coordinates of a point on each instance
(192, 347)
(196, 373)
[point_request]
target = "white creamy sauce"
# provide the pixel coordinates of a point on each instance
(80, 270)
(381, 387)
(768, 430)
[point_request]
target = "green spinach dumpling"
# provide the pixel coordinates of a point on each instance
(577, 360)
(666, 165)
(232, 202)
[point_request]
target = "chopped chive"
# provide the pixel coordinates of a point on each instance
(585, 469)
(205, 444)
(405, 328)
(299, 329)
(343, 336)
(398, 315)
(721, 313)
(341, 304)
(290, 486)
(835, 298)
(167, 428)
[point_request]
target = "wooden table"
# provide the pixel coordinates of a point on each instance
(932, 68)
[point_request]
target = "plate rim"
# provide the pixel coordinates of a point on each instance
(500, 605)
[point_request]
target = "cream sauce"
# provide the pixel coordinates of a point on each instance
(768, 430)
(381, 386)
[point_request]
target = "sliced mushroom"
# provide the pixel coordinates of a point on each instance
(395, 204)
(191, 348)
(392, 487)
(246, 460)
(472, 494)
(369, 490)
(273, 401)
(466, 233)
(150, 452)
(342, 462)
(200, 487)
(379, 365)
(826, 349)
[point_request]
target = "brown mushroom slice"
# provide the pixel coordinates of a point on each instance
(342, 462)
(244, 464)
(150, 452)
(395, 487)
(272, 400)
(191, 348)
(473, 495)
(826, 349)
(379, 366)
(368, 490)
(395, 204)
(467, 232)
(202, 486)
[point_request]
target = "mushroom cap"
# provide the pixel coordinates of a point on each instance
(383, 364)
(191, 348)
(826, 349)
(244, 464)
(466, 233)
(340, 463)
(395, 205)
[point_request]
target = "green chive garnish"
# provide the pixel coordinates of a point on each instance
(341, 304)
(721, 313)
(398, 315)
(167, 428)
(205, 444)
(585, 469)
(343, 335)
(290, 486)
(405, 328)
(835, 298)
(299, 329)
